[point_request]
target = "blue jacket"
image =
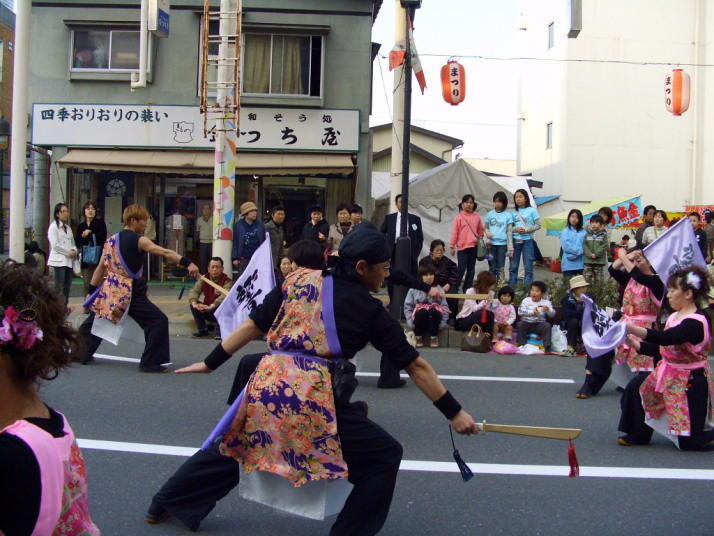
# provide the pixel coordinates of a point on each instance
(239, 237)
(571, 242)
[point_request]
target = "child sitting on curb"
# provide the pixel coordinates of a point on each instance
(533, 311)
(424, 314)
(504, 313)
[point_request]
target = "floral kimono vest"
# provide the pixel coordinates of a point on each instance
(115, 291)
(64, 507)
(287, 423)
(639, 308)
(665, 390)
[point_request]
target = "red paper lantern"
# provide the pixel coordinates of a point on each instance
(453, 82)
(676, 92)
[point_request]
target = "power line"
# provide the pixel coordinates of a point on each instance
(568, 60)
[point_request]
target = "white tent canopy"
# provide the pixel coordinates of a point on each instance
(434, 196)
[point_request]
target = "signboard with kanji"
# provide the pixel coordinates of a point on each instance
(137, 126)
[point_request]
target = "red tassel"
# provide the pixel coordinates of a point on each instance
(484, 316)
(573, 460)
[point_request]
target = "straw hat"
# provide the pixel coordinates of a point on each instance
(578, 281)
(246, 207)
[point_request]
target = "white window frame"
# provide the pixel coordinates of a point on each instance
(111, 29)
(551, 34)
(549, 135)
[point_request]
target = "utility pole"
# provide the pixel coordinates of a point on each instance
(19, 131)
(400, 35)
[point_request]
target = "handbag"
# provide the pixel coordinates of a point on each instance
(91, 254)
(344, 381)
(479, 342)
(481, 249)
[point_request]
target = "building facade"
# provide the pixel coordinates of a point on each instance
(7, 42)
(305, 97)
(592, 120)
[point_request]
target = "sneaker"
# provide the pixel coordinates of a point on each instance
(419, 342)
(434, 342)
(568, 352)
(199, 334)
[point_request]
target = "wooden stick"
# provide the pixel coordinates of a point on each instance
(467, 296)
(533, 431)
(219, 288)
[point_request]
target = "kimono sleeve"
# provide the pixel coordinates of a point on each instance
(387, 336)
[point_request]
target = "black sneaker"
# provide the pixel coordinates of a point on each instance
(199, 334)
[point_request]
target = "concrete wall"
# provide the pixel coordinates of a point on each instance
(612, 133)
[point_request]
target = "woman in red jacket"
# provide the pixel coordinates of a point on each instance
(466, 231)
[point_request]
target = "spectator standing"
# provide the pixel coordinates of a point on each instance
(277, 234)
(317, 229)
(595, 248)
(657, 228)
(499, 223)
(391, 227)
(466, 231)
(204, 234)
(526, 221)
(356, 213)
(63, 250)
(571, 243)
(248, 234)
(176, 226)
(91, 231)
(699, 233)
(340, 228)
(203, 309)
(647, 221)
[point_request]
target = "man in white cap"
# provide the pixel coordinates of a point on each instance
(248, 234)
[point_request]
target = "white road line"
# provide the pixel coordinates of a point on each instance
(657, 473)
(376, 374)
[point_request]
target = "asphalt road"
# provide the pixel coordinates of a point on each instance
(111, 401)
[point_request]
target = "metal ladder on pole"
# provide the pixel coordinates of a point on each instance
(223, 108)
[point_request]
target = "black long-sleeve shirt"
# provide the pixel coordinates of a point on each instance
(652, 282)
(99, 231)
(689, 330)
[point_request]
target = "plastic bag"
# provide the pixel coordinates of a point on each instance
(558, 341)
(505, 347)
(530, 349)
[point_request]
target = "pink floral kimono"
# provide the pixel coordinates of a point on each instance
(664, 392)
(639, 308)
(64, 508)
(286, 422)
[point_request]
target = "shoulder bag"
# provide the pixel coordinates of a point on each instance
(481, 247)
(91, 254)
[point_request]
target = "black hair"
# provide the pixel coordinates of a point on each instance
(356, 208)
(56, 211)
(501, 196)
(343, 206)
(679, 280)
(596, 218)
(625, 237)
(648, 208)
(708, 216)
(540, 285)
(695, 213)
(579, 214)
(608, 214)
(397, 198)
(435, 244)
(88, 204)
(219, 259)
(468, 197)
(425, 269)
(662, 213)
(525, 194)
(315, 208)
(507, 290)
(306, 254)
(277, 208)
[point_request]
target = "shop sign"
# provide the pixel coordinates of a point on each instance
(137, 126)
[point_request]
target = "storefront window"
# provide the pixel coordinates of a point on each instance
(105, 49)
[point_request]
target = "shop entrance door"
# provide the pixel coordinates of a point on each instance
(297, 202)
(112, 214)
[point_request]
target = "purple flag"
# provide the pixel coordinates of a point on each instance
(675, 249)
(601, 334)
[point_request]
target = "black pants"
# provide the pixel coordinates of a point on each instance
(151, 319)
(542, 329)
(466, 259)
(200, 317)
(427, 321)
(467, 322)
(599, 369)
(632, 418)
(205, 249)
(371, 454)
(574, 329)
(63, 280)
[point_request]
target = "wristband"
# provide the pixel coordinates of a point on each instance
(448, 405)
(185, 262)
(92, 289)
(217, 357)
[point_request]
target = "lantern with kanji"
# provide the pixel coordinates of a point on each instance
(676, 92)
(453, 82)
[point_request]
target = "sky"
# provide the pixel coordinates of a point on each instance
(486, 120)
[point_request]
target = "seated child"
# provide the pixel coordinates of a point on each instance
(425, 314)
(572, 320)
(478, 312)
(504, 313)
(533, 310)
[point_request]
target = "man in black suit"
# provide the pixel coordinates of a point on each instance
(389, 375)
(391, 228)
